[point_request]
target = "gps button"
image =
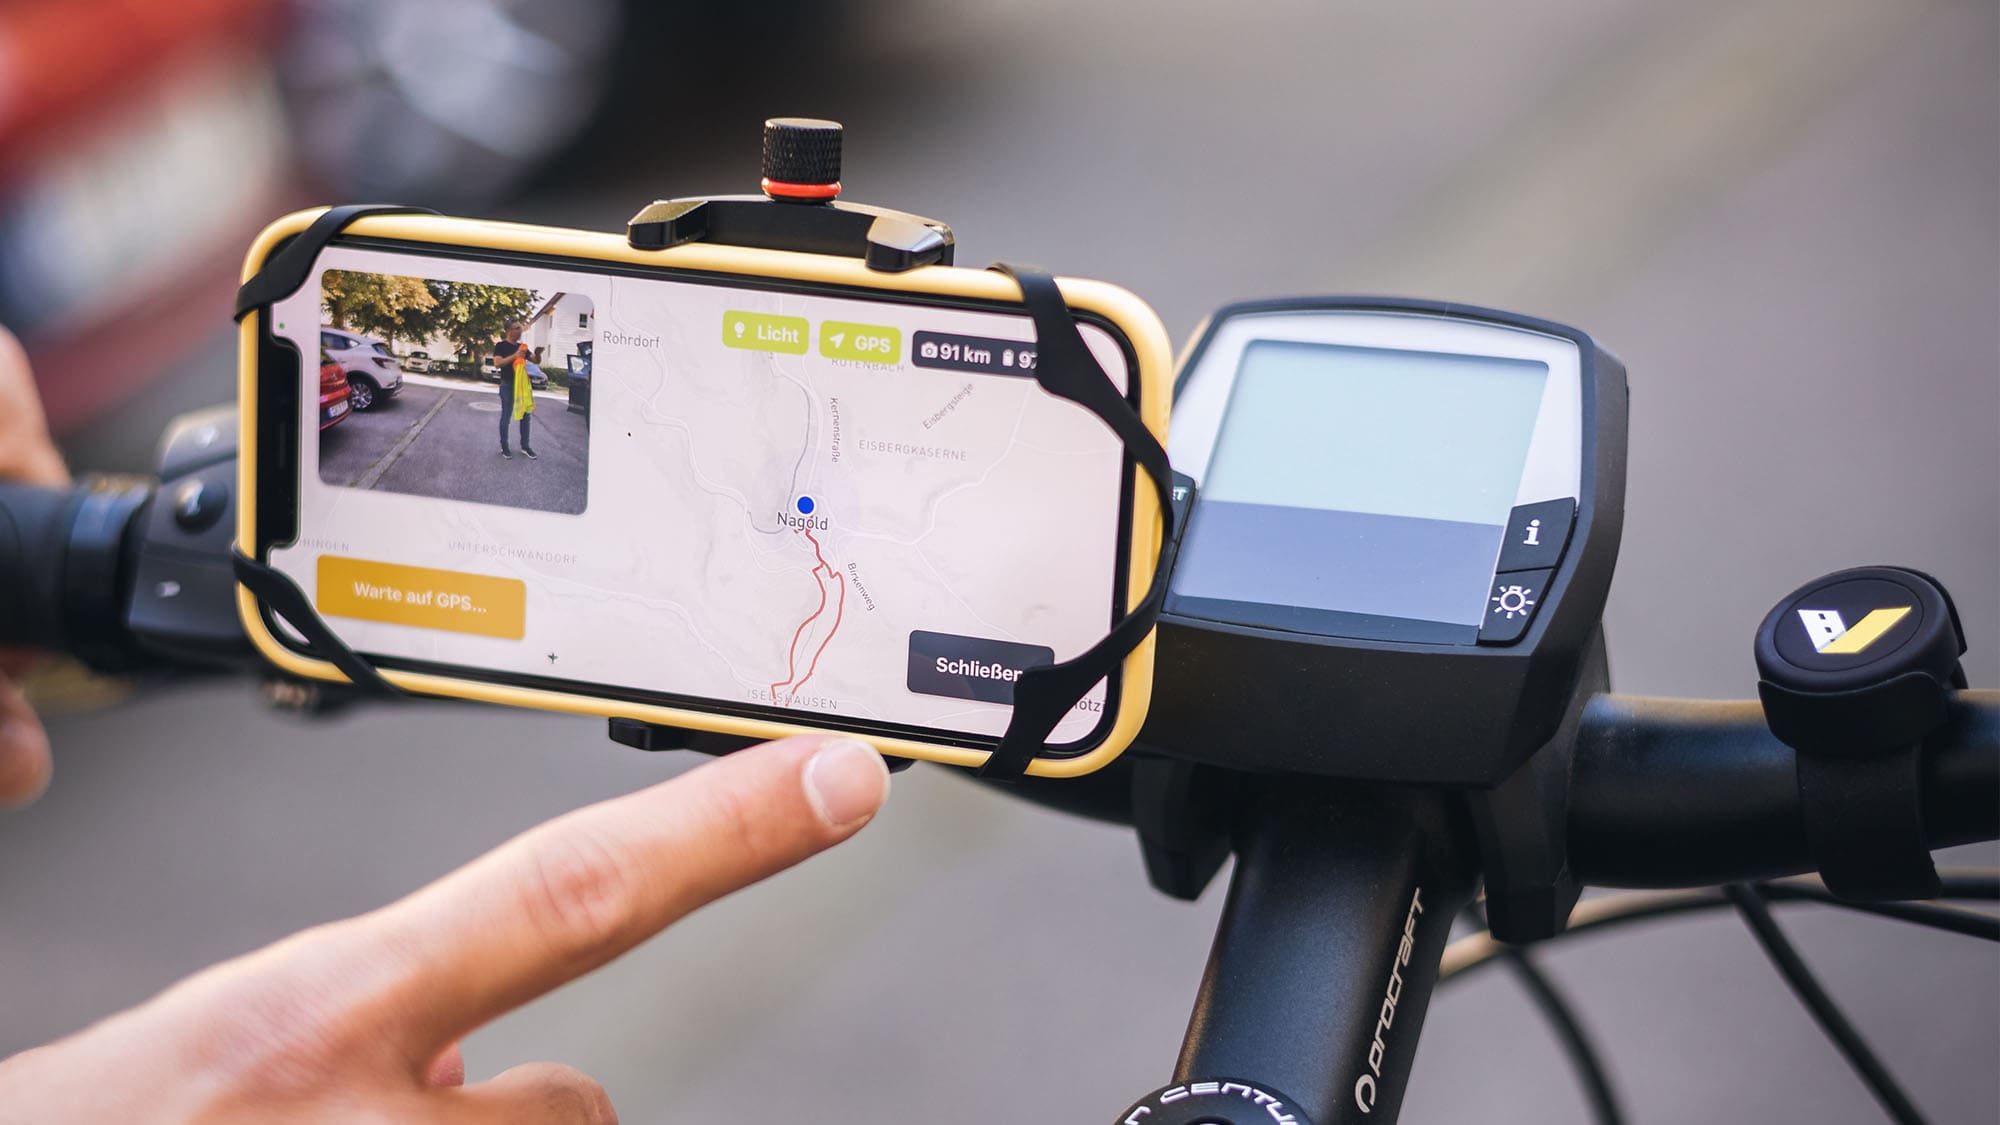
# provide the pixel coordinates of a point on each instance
(1536, 534)
(1512, 605)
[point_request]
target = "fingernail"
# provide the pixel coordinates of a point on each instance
(846, 782)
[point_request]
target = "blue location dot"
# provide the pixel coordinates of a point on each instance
(805, 505)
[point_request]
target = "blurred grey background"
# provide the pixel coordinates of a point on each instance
(1783, 214)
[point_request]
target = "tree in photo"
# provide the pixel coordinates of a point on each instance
(409, 309)
(374, 304)
(473, 316)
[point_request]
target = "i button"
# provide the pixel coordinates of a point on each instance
(1536, 534)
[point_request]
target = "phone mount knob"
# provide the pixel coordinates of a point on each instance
(801, 159)
(801, 166)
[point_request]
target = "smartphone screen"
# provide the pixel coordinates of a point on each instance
(737, 495)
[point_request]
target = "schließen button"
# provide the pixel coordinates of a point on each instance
(970, 667)
(1536, 534)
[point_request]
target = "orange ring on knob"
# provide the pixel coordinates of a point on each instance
(801, 191)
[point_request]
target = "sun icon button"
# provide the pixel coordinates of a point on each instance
(1511, 605)
(1513, 601)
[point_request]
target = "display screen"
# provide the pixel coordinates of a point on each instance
(1367, 487)
(841, 509)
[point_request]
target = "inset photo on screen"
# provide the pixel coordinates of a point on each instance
(455, 390)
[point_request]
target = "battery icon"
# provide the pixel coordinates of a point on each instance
(1007, 358)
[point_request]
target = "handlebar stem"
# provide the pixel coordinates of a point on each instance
(1323, 965)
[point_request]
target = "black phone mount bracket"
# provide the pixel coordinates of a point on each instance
(799, 209)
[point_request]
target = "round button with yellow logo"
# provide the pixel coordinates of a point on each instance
(1859, 659)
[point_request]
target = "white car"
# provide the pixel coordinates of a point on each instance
(417, 361)
(373, 374)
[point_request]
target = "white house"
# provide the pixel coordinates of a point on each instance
(563, 322)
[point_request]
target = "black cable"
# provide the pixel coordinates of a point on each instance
(1576, 1042)
(1970, 884)
(1974, 883)
(1970, 923)
(1966, 884)
(1756, 913)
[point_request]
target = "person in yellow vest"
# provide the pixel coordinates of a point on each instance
(517, 394)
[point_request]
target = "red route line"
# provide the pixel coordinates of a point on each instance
(840, 609)
(792, 653)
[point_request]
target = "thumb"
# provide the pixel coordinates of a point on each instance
(535, 1094)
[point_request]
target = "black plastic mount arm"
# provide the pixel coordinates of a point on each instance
(890, 241)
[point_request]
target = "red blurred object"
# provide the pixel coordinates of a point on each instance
(141, 145)
(332, 392)
(61, 60)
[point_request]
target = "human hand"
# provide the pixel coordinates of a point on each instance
(26, 454)
(358, 1020)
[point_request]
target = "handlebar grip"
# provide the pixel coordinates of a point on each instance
(66, 567)
(35, 525)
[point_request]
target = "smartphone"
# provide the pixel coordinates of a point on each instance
(712, 487)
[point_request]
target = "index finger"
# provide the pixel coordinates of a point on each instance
(568, 896)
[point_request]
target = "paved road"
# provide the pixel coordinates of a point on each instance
(436, 440)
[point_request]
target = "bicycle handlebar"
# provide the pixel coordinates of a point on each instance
(34, 554)
(65, 567)
(1691, 793)
(1663, 792)
(1686, 792)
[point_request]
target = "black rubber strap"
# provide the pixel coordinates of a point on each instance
(283, 273)
(1864, 820)
(288, 269)
(1065, 368)
(275, 591)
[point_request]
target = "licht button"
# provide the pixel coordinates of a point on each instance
(765, 332)
(1512, 605)
(1536, 534)
(418, 596)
